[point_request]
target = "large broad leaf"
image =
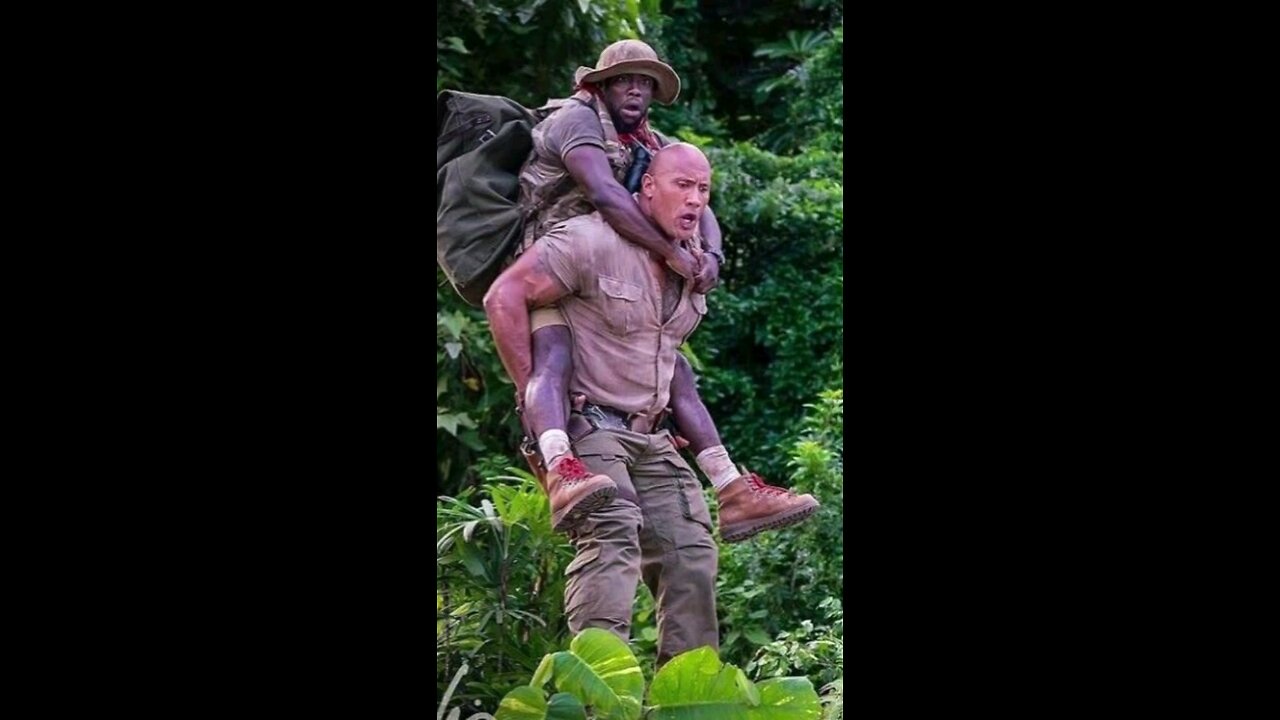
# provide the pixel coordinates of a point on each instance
(600, 669)
(528, 703)
(697, 686)
(787, 698)
(564, 706)
(523, 703)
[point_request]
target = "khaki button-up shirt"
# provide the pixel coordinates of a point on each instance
(623, 353)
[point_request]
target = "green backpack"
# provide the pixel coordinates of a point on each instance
(481, 143)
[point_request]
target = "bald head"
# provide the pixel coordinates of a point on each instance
(679, 155)
(676, 189)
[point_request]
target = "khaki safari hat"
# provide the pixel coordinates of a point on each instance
(633, 57)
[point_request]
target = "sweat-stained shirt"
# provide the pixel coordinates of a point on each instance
(624, 355)
(548, 193)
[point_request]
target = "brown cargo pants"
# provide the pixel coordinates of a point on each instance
(657, 528)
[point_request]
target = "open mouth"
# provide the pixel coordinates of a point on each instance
(687, 222)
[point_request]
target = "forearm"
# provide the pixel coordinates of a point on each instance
(709, 228)
(690, 414)
(508, 314)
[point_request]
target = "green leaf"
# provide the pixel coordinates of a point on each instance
(584, 6)
(523, 703)
(834, 699)
(695, 685)
(749, 688)
(447, 422)
(526, 13)
(450, 422)
(564, 706)
(694, 361)
(788, 698)
(471, 559)
(543, 673)
(528, 703)
(454, 349)
(471, 439)
(757, 636)
(455, 43)
(601, 670)
(699, 690)
(453, 323)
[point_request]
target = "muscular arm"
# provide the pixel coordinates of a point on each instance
(709, 267)
(691, 416)
(590, 168)
(709, 228)
(526, 285)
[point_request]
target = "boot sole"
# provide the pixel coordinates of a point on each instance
(584, 507)
(746, 531)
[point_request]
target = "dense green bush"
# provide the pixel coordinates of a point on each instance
(810, 97)
(775, 331)
(779, 580)
(500, 586)
(501, 583)
(529, 49)
(475, 401)
(814, 650)
(772, 343)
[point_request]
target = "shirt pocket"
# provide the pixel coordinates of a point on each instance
(621, 305)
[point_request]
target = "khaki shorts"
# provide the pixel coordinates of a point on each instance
(545, 317)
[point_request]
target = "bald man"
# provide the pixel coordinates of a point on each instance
(629, 313)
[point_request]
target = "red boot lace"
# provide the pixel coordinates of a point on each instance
(759, 485)
(571, 469)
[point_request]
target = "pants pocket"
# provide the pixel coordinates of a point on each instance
(693, 506)
(581, 560)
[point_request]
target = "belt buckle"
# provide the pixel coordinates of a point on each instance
(598, 417)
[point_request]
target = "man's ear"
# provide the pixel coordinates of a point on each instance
(647, 185)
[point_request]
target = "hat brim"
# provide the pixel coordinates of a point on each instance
(667, 87)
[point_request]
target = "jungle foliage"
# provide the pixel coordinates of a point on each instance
(763, 94)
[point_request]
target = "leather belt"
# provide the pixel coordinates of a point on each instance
(603, 416)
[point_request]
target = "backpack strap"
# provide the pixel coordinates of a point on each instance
(476, 121)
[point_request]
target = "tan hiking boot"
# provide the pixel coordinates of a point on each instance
(749, 506)
(575, 493)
